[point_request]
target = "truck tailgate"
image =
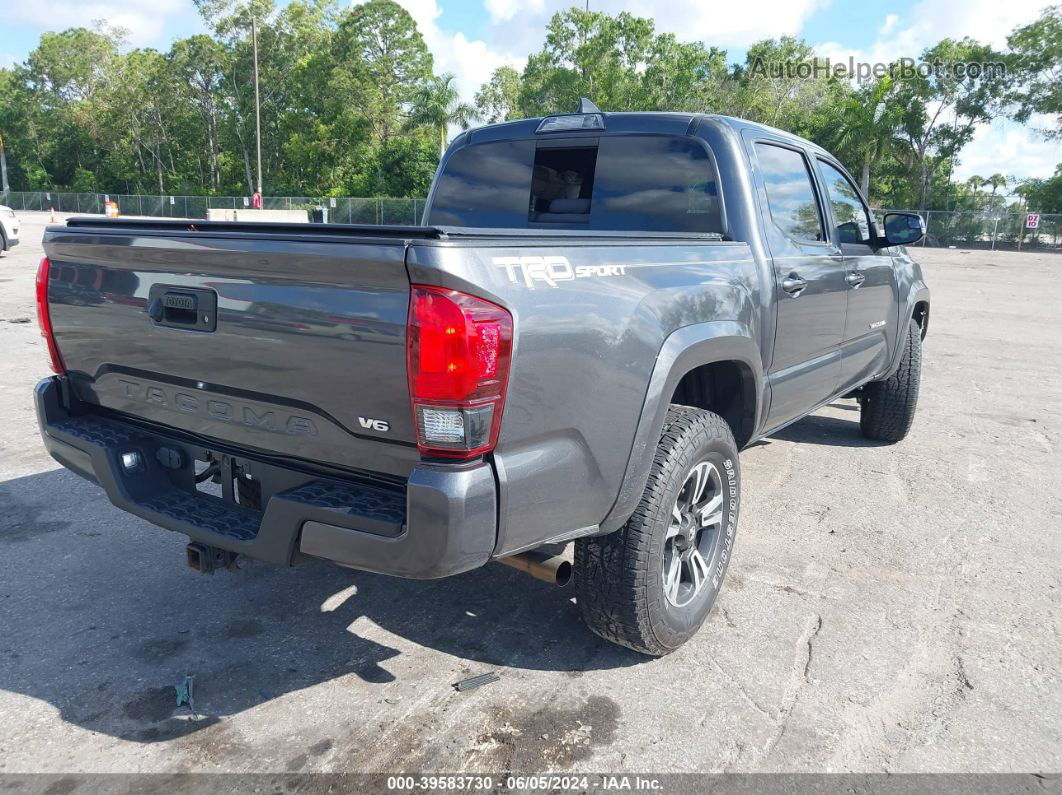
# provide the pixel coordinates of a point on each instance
(290, 343)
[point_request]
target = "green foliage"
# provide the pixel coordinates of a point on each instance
(337, 93)
(1037, 68)
(942, 110)
(351, 104)
(782, 97)
(866, 128)
(1043, 195)
(380, 62)
(437, 104)
(619, 61)
(499, 99)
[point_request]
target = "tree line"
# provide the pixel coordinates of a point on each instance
(351, 104)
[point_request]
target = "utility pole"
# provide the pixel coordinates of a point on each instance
(4, 187)
(257, 103)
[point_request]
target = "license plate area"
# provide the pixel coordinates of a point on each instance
(228, 478)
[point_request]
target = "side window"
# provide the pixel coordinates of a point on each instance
(853, 221)
(790, 192)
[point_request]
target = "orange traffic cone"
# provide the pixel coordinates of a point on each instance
(53, 214)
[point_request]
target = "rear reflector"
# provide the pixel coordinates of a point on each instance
(44, 319)
(459, 351)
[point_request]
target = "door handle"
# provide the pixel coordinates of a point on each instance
(855, 278)
(794, 284)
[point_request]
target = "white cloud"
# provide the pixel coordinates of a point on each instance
(1011, 149)
(145, 20)
(504, 10)
(730, 24)
(987, 21)
(889, 25)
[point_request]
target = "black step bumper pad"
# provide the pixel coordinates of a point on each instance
(443, 522)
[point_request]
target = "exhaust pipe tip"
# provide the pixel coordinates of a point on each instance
(554, 569)
(563, 574)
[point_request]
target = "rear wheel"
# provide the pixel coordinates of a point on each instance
(650, 584)
(887, 408)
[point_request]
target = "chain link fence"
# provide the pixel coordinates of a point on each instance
(999, 232)
(340, 210)
(944, 228)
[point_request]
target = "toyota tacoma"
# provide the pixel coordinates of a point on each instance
(597, 313)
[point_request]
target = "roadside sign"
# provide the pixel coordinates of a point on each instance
(331, 202)
(246, 202)
(1032, 221)
(171, 201)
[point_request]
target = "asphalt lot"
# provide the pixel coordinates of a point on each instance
(888, 608)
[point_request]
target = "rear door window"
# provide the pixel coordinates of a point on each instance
(791, 196)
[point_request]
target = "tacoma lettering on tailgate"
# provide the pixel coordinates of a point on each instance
(219, 410)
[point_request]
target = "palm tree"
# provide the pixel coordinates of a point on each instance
(997, 181)
(866, 127)
(976, 182)
(438, 104)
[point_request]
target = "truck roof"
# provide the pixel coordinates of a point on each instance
(661, 122)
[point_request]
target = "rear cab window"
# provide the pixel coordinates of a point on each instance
(654, 183)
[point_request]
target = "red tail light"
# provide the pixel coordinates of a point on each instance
(44, 319)
(459, 350)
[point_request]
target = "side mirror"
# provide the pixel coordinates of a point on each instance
(903, 229)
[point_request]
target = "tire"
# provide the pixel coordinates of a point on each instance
(887, 408)
(623, 591)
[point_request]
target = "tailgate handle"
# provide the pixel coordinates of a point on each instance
(192, 309)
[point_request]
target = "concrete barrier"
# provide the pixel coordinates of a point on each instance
(277, 216)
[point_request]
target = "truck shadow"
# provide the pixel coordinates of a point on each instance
(824, 429)
(101, 620)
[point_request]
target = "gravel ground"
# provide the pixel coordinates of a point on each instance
(888, 608)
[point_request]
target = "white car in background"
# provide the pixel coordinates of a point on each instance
(8, 228)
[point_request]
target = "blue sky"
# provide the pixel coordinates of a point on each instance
(472, 37)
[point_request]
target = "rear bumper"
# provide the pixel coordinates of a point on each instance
(443, 522)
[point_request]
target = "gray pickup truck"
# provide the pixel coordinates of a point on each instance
(599, 311)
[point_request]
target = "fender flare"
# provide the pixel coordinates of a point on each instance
(918, 293)
(684, 350)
